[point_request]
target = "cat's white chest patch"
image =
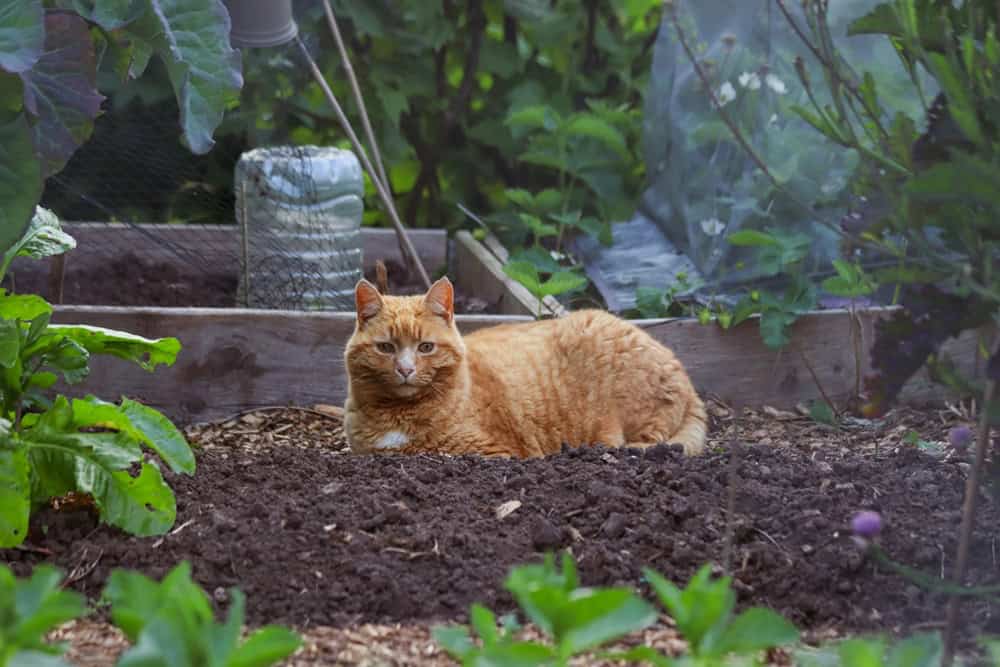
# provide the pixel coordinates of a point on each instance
(392, 440)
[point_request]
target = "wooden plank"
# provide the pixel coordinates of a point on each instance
(216, 246)
(736, 366)
(238, 359)
(232, 359)
(479, 268)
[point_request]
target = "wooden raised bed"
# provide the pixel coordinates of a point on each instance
(236, 359)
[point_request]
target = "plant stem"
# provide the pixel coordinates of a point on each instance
(401, 234)
(968, 520)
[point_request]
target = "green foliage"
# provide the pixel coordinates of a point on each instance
(171, 623)
(559, 282)
(703, 611)
(51, 447)
(575, 619)
(941, 206)
(29, 609)
(920, 650)
(49, 60)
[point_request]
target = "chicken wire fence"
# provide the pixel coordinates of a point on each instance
(274, 225)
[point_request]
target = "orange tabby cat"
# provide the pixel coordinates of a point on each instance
(416, 385)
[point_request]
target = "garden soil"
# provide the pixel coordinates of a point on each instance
(316, 536)
(130, 280)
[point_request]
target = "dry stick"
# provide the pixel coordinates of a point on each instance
(331, 20)
(733, 474)
(815, 378)
(345, 124)
(359, 100)
(968, 518)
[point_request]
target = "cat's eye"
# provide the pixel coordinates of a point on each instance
(425, 348)
(385, 348)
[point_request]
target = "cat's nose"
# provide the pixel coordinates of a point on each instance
(404, 371)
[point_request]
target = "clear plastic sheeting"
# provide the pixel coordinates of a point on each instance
(703, 184)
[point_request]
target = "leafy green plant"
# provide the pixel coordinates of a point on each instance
(575, 619)
(171, 624)
(50, 53)
(51, 447)
(558, 282)
(703, 612)
(29, 609)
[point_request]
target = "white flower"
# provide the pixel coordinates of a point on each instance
(712, 226)
(776, 84)
(726, 94)
(750, 80)
(773, 120)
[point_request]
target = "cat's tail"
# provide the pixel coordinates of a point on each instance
(693, 431)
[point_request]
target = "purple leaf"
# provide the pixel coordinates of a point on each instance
(60, 93)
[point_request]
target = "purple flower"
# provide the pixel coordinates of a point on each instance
(960, 437)
(866, 524)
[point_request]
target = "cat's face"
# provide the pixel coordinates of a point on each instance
(404, 346)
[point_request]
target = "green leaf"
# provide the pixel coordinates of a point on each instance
(537, 256)
(649, 301)
(562, 282)
(774, 327)
(484, 622)
(146, 352)
(37, 659)
(161, 435)
(670, 596)
(756, 629)
(60, 91)
(22, 34)
(20, 180)
(861, 652)
(95, 463)
(520, 197)
(517, 654)
(42, 238)
(752, 237)
(821, 412)
(639, 654)
(267, 646)
(537, 227)
(192, 37)
(24, 307)
(10, 343)
(960, 104)
(534, 117)
(524, 273)
(15, 492)
(594, 617)
(593, 127)
(40, 605)
(454, 639)
(110, 14)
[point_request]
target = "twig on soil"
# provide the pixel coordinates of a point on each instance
(968, 520)
(727, 545)
(815, 378)
(82, 569)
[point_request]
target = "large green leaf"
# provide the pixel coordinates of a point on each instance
(44, 237)
(60, 92)
(141, 423)
(20, 180)
(25, 307)
(110, 14)
(267, 646)
(21, 34)
(594, 617)
(146, 352)
(756, 629)
(64, 457)
(592, 126)
(15, 493)
(192, 37)
(562, 282)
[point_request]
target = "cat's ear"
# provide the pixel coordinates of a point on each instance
(440, 299)
(367, 300)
